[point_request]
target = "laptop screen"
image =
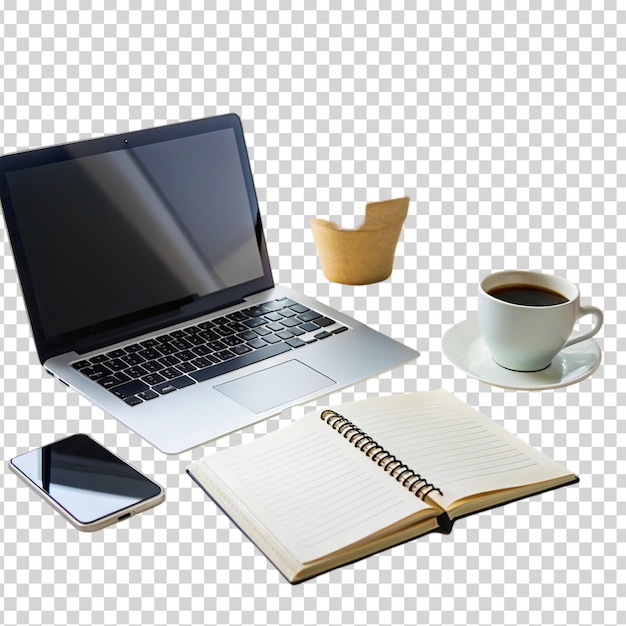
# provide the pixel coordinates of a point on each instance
(153, 225)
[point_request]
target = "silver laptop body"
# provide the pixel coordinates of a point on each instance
(146, 277)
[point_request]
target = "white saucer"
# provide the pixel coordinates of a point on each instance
(464, 347)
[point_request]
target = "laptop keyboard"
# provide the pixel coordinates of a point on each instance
(148, 369)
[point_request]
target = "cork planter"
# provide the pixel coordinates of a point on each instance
(363, 255)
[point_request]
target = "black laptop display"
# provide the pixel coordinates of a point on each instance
(118, 233)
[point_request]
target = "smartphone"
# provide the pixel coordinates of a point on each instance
(86, 483)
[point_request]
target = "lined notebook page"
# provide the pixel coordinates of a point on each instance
(450, 444)
(308, 487)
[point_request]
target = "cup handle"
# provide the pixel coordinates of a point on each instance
(582, 311)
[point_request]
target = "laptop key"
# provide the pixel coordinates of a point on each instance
(238, 327)
(201, 362)
(165, 388)
(291, 322)
(242, 349)
(299, 308)
(274, 317)
(185, 368)
(130, 388)
(309, 327)
(152, 366)
(309, 316)
(170, 372)
(182, 381)
(201, 350)
(231, 341)
(166, 349)
(169, 361)
(324, 321)
(208, 335)
(237, 316)
(257, 343)
(195, 339)
(149, 343)
(180, 344)
(117, 365)
(256, 321)
(136, 372)
(272, 339)
(109, 382)
(96, 371)
(224, 355)
(272, 305)
(116, 354)
(234, 364)
(186, 355)
(148, 395)
(224, 331)
(174, 384)
(153, 379)
(149, 354)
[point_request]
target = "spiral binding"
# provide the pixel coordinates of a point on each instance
(408, 478)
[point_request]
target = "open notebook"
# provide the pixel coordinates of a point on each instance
(332, 488)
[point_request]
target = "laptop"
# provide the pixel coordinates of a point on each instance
(145, 273)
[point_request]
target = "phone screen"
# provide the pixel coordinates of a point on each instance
(85, 479)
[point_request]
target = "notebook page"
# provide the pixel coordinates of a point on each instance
(310, 489)
(450, 444)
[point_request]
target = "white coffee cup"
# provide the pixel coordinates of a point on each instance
(521, 334)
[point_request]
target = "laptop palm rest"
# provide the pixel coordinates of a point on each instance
(274, 386)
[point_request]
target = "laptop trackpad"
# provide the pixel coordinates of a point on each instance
(274, 386)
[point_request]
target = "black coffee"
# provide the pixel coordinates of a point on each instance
(527, 295)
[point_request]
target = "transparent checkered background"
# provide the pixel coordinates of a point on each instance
(504, 123)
